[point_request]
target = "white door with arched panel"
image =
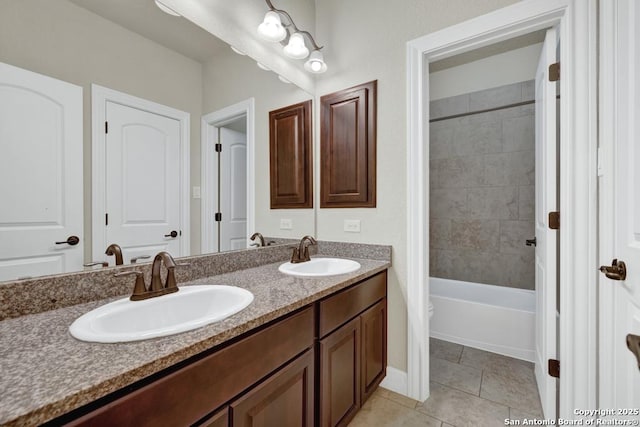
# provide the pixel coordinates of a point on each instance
(41, 211)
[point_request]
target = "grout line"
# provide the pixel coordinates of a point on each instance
(481, 380)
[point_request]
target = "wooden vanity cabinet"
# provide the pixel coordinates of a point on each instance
(352, 349)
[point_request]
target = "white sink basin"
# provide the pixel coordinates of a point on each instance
(189, 308)
(318, 267)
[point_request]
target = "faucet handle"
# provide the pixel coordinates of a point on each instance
(139, 288)
(94, 263)
(137, 258)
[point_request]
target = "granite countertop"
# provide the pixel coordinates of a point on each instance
(47, 373)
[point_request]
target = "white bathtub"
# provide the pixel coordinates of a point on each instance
(492, 318)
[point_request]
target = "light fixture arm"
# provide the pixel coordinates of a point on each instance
(293, 24)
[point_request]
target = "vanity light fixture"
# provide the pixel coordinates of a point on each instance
(278, 26)
(166, 9)
(262, 66)
(283, 80)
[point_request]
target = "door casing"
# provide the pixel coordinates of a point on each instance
(576, 20)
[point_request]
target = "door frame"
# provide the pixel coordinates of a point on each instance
(99, 97)
(209, 173)
(576, 20)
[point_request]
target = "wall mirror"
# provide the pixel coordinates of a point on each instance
(127, 58)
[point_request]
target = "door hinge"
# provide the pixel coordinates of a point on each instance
(106, 219)
(218, 148)
(554, 72)
(554, 220)
(218, 216)
(554, 368)
(106, 127)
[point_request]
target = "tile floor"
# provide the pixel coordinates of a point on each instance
(469, 387)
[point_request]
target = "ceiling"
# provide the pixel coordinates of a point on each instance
(144, 17)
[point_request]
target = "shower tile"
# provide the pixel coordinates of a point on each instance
(528, 90)
(515, 168)
(472, 266)
(454, 375)
(516, 389)
(456, 172)
(495, 97)
(526, 202)
(462, 409)
(518, 133)
(449, 106)
(440, 142)
(448, 203)
(518, 270)
(513, 235)
(471, 137)
(493, 203)
(378, 411)
(439, 233)
(445, 350)
(443, 264)
(475, 234)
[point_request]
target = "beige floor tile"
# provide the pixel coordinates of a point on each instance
(494, 362)
(463, 378)
(516, 389)
(395, 397)
(462, 409)
(517, 414)
(381, 412)
(445, 350)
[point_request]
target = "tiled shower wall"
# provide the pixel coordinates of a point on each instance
(482, 175)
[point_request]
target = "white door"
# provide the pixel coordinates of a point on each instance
(546, 249)
(143, 182)
(40, 174)
(619, 370)
(233, 190)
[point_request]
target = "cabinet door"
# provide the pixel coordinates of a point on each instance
(285, 399)
(219, 419)
(340, 375)
(374, 347)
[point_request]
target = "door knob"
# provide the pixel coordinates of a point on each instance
(71, 240)
(633, 343)
(531, 242)
(173, 234)
(616, 271)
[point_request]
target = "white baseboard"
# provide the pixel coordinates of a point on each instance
(396, 381)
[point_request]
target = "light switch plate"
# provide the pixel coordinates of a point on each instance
(196, 192)
(286, 224)
(352, 225)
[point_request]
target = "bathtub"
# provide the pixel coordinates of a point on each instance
(492, 318)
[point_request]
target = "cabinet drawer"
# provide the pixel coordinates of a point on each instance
(340, 308)
(187, 395)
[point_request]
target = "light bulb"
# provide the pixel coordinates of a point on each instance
(238, 51)
(316, 63)
(296, 48)
(271, 28)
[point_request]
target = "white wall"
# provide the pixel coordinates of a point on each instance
(230, 78)
(498, 70)
(67, 42)
(366, 40)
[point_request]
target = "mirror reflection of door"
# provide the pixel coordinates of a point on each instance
(232, 189)
(143, 180)
(40, 175)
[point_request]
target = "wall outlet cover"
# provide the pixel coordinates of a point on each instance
(352, 225)
(286, 224)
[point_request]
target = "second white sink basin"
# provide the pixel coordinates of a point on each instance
(319, 267)
(189, 308)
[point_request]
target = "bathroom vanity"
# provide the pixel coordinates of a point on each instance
(307, 351)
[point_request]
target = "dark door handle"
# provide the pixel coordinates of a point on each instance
(531, 242)
(616, 271)
(71, 240)
(173, 234)
(633, 343)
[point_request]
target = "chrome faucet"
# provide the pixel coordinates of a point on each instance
(114, 249)
(301, 253)
(260, 238)
(157, 288)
